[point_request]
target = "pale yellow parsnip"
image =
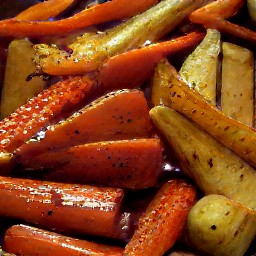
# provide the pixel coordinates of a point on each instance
(237, 83)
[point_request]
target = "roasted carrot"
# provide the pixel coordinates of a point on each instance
(24, 26)
(214, 14)
(162, 223)
(44, 10)
(130, 69)
(91, 50)
(116, 116)
(46, 108)
(30, 241)
(134, 164)
(67, 208)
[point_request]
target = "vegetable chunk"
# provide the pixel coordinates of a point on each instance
(215, 169)
(219, 226)
(133, 164)
(237, 90)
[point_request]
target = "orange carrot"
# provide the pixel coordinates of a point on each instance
(44, 10)
(116, 116)
(64, 207)
(162, 223)
(134, 164)
(130, 69)
(46, 108)
(29, 241)
(22, 25)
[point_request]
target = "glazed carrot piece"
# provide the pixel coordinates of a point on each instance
(68, 208)
(26, 240)
(116, 116)
(133, 164)
(214, 14)
(47, 107)
(130, 69)
(44, 10)
(162, 223)
(23, 25)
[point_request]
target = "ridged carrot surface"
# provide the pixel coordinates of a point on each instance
(78, 209)
(116, 116)
(162, 223)
(29, 241)
(134, 164)
(46, 108)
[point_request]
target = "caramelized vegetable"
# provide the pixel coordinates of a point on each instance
(133, 164)
(161, 225)
(90, 51)
(16, 89)
(237, 90)
(25, 240)
(63, 207)
(132, 68)
(27, 25)
(200, 69)
(219, 226)
(111, 117)
(46, 108)
(215, 169)
(232, 134)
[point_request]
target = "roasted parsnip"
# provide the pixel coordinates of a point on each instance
(215, 169)
(237, 90)
(218, 226)
(200, 68)
(16, 89)
(234, 135)
(251, 4)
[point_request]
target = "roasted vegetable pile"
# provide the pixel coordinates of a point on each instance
(127, 128)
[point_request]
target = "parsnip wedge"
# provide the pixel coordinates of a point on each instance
(219, 226)
(16, 90)
(215, 169)
(238, 137)
(251, 4)
(200, 68)
(237, 83)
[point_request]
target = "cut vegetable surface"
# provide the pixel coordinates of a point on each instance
(47, 107)
(29, 241)
(133, 164)
(115, 116)
(215, 169)
(219, 226)
(161, 225)
(66, 208)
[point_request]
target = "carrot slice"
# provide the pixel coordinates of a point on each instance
(162, 223)
(44, 10)
(26, 240)
(131, 164)
(46, 108)
(116, 116)
(64, 207)
(130, 69)
(22, 25)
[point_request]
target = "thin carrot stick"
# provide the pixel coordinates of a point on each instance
(114, 10)
(44, 10)
(133, 164)
(47, 107)
(26, 240)
(77, 209)
(130, 69)
(116, 116)
(162, 223)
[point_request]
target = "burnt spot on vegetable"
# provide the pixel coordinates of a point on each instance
(129, 120)
(77, 132)
(213, 227)
(226, 128)
(195, 156)
(49, 213)
(210, 162)
(241, 177)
